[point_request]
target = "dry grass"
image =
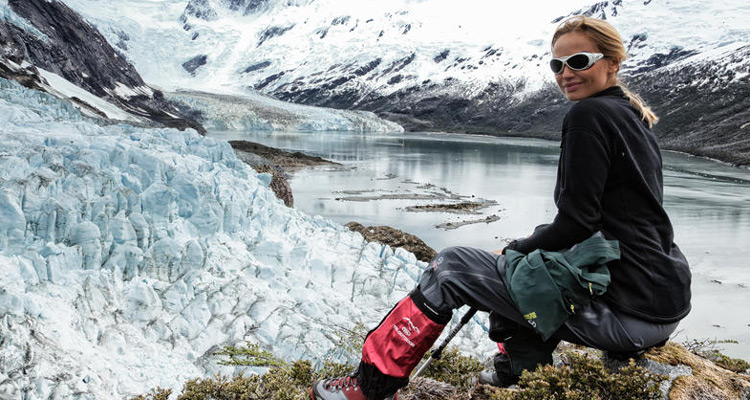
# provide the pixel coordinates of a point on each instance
(708, 380)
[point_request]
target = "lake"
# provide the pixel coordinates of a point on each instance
(383, 176)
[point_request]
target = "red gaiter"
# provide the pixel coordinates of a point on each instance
(397, 345)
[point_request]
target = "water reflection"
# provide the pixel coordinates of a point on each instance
(709, 203)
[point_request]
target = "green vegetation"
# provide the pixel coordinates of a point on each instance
(582, 376)
(455, 369)
(286, 382)
(250, 355)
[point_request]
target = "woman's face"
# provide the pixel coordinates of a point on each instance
(577, 85)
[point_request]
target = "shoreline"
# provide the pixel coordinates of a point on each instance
(743, 158)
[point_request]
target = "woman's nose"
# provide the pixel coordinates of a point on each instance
(567, 72)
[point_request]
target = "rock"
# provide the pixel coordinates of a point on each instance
(707, 380)
(279, 183)
(689, 377)
(276, 162)
(395, 238)
(194, 63)
(288, 161)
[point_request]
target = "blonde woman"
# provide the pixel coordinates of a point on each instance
(609, 186)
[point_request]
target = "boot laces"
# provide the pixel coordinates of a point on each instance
(342, 383)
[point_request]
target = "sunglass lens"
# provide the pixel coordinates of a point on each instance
(556, 66)
(578, 62)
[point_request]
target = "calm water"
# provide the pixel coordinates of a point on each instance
(382, 175)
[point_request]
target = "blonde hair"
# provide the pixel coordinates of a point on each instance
(608, 41)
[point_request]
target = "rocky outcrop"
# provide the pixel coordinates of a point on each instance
(279, 183)
(49, 35)
(276, 162)
(395, 238)
(194, 63)
(289, 161)
(695, 377)
(580, 373)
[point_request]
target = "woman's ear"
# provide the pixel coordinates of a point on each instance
(614, 66)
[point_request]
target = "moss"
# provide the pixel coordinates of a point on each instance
(728, 363)
(708, 381)
(249, 355)
(455, 369)
(582, 376)
(155, 394)
(287, 382)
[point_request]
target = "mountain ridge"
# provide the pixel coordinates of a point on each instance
(433, 74)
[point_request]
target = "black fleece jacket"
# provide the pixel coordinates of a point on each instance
(609, 179)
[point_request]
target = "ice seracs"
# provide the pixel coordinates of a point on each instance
(129, 255)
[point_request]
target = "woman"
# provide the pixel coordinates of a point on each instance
(609, 182)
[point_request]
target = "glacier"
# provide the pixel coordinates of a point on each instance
(124, 95)
(258, 112)
(129, 255)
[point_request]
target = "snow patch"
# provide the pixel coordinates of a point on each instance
(66, 89)
(126, 92)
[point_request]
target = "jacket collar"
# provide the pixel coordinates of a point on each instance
(615, 91)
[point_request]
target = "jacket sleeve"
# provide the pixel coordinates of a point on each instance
(581, 178)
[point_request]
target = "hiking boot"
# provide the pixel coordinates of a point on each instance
(344, 388)
(501, 375)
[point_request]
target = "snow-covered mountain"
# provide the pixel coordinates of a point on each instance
(47, 46)
(477, 67)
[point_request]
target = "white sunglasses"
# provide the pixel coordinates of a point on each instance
(576, 62)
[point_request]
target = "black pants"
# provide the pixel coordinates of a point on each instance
(460, 276)
(467, 276)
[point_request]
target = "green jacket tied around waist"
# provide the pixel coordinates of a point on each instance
(549, 286)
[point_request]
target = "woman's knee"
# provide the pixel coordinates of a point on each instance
(451, 255)
(461, 257)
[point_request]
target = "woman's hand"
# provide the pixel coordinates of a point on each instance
(510, 245)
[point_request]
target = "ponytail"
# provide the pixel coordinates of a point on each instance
(646, 113)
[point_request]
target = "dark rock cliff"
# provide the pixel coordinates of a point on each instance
(60, 41)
